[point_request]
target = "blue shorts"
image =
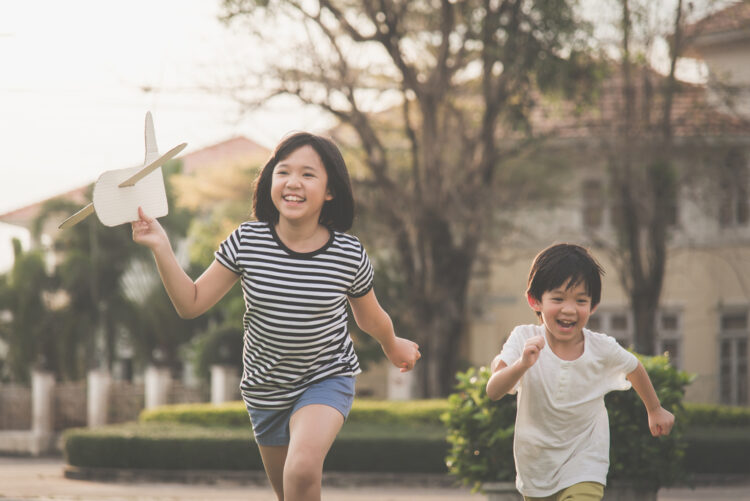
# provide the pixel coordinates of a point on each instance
(271, 426)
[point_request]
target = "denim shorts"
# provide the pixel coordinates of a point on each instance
(271, 426)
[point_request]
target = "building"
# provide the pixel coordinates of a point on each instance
(703, 317)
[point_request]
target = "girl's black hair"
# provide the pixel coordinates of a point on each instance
(562, 263)
(337, 213)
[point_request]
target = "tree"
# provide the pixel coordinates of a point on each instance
(28, 333)
(458, 80)
(645, 174)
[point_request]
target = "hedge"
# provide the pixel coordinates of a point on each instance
(378, 436)
(374, 448)
(363, 411)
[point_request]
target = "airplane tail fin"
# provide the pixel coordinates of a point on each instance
(152, 151)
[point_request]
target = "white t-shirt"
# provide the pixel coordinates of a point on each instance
(562, 430)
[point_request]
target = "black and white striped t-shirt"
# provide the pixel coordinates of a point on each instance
(295, 317)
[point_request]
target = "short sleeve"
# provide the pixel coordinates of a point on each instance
(512, 351)
(619, 362)
(228, 251)
(363, 279)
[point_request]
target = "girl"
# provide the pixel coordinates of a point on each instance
(297, 270)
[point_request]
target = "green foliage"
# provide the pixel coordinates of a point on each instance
(377, 412)
(719, 416)
(218, 345)
(179, 446)
(30, 332)
(480, 431)
(162, 446)
(226, 415)
(718, 450)
(634, 454)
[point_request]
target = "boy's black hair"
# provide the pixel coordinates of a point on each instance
(562, 263)
(337, 213)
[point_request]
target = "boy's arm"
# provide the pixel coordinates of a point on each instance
(660, 420)
(373, 319)
(505, 377)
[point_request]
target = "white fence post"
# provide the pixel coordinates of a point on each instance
(42, 411)
(224, 383)
(158, 381)
(400, 384)
(97, 397)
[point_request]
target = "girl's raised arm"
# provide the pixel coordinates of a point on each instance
(189, 298)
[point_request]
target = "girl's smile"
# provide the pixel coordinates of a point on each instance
(299, 186)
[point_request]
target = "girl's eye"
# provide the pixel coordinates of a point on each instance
(310, 175)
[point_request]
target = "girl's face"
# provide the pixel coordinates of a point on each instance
(299, 186)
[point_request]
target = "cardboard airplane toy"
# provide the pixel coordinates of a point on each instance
(118, 193)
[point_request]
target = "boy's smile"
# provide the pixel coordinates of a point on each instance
(564, 312)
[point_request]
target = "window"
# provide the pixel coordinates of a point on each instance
(613, 322)
(733, 355)
(734, 206)
(669, 335)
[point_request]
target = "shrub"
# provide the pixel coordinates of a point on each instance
(480, 431)
(363, 411)
(225, 415)
(160, 446)
(709, 415)
(635, 455)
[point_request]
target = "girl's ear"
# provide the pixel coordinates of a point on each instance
(535, 305)
(329, 195)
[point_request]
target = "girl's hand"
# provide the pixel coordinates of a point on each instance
(403, 353)
(147, 231)
(531, 350)
(660, 421)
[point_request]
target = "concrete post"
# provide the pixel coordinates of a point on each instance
(400, 384)
(97, 397)
(42, 411)
(224, 383)
(158, 381)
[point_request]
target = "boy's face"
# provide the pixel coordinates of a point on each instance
(564, 311)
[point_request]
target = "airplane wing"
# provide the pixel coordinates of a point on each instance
(77, 217)
(148, 169)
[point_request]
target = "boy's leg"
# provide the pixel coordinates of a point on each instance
(312, 430)
(274, 458)
(582, 491)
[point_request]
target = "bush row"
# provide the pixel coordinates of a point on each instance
(185, 447)
(363, 411)
(232, 414)
(189, 447)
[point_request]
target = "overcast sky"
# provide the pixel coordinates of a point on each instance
(79, 76)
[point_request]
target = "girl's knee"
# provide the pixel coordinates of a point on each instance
(302, 473)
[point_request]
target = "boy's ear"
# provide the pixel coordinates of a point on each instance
(535, 305)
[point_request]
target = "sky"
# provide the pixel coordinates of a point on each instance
(80, 75)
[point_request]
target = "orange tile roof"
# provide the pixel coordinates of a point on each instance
(733, 18)
(692, 114)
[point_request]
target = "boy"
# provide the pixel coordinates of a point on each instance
(561, 372)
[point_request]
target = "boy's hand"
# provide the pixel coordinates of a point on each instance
(403, 353)
(660, 422)
(531, 351)
(147, 231)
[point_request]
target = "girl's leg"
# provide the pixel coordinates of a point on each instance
(274, 458)
(312, 430)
